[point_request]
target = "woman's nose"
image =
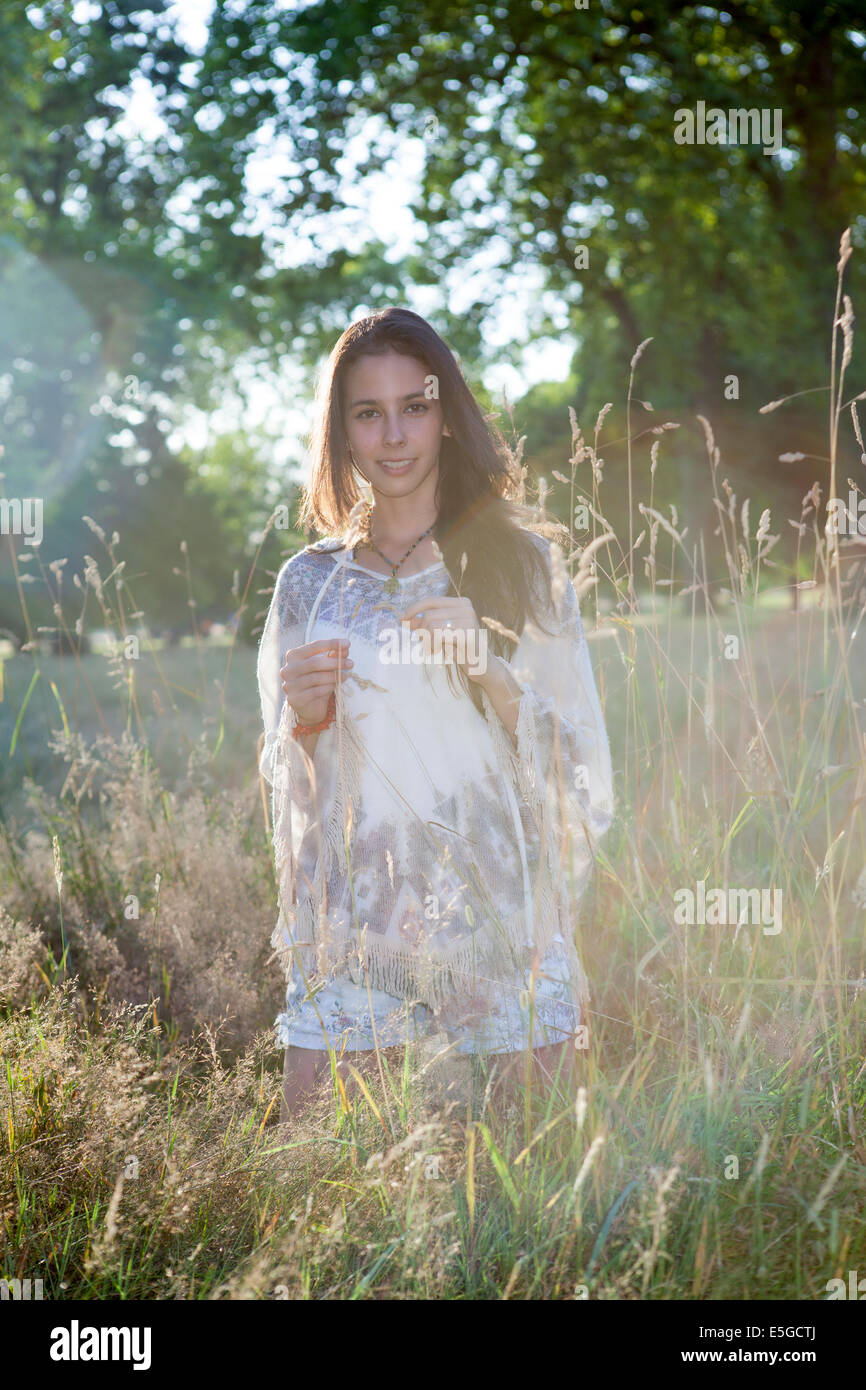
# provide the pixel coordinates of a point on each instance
(393, 432)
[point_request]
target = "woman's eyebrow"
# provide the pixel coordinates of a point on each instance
(411, 396)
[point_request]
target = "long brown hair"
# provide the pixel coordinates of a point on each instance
(480, 494)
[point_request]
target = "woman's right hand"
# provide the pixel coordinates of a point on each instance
(311, 673)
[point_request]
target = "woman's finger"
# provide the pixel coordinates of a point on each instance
(323, 644)
(317, 664)
(307, 688)
(326, 663)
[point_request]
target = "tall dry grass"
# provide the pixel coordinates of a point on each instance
(713, 1144)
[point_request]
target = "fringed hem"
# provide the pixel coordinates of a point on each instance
(347, 791)
(302, 938)
(578, 976)
(521, 767)
(530, 777)
(550, 815)
(432, 979)
(405, 974)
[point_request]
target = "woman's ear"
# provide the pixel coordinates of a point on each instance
(446, 430)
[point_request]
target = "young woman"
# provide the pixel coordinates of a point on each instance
(440, 781)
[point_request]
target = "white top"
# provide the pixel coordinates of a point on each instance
(446, 882)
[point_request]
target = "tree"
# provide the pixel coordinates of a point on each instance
(548, 127)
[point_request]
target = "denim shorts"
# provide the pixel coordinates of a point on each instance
(504, 1017)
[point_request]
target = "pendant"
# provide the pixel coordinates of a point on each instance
(392, 584)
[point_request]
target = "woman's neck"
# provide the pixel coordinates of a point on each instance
(395, 527)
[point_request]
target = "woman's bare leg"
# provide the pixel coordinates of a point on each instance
(548, 1063)
(304, 1067)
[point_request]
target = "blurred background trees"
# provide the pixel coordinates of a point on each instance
(180, 223)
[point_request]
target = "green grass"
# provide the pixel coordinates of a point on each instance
(183, 699)
(629, 1194)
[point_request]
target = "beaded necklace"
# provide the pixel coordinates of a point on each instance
(392, 584)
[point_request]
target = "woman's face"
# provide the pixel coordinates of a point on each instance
(392, 417)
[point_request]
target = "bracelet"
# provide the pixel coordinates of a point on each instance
(299, 729)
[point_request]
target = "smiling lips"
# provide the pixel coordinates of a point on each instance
(399, 466)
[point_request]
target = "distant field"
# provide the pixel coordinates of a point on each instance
(181, 695)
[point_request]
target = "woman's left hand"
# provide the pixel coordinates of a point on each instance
(466, 640)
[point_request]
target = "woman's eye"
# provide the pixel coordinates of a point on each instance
(416, 405)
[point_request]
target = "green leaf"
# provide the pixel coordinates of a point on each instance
(501, 1167)
(14, 742)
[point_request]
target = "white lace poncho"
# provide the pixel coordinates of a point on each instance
(420, 842)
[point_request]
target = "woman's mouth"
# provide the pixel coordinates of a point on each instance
(397, 467)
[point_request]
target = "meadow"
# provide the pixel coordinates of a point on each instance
(712, 1143)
